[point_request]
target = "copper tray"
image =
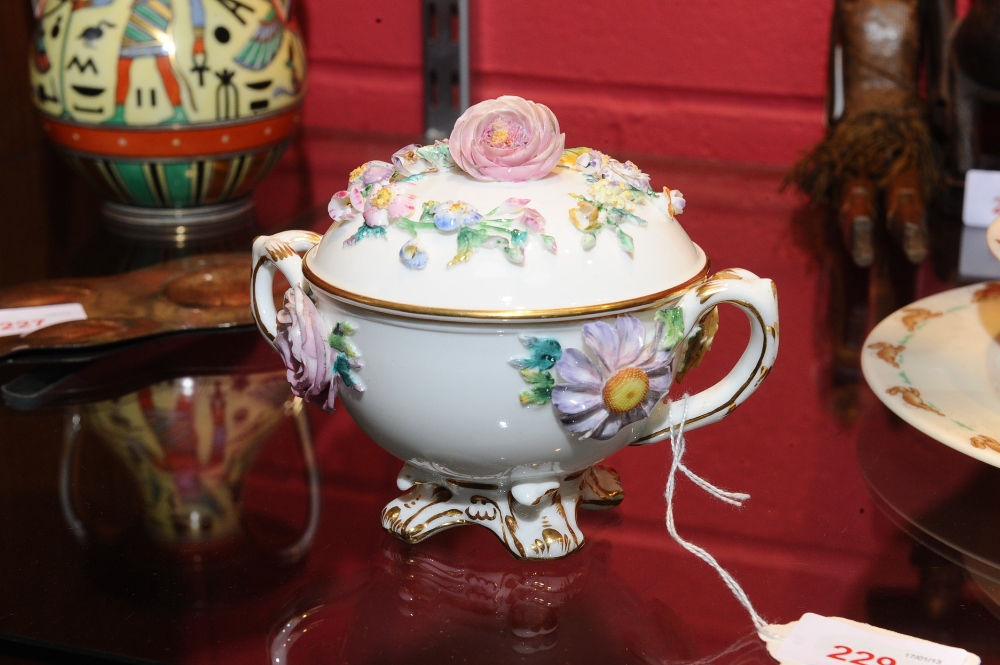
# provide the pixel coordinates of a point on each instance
(197, 293)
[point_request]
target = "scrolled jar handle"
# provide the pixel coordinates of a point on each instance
(758, 298)
(281, 251)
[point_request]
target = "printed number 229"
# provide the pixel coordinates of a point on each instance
(860, 657)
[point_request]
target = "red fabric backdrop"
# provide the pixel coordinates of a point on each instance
(722, 80)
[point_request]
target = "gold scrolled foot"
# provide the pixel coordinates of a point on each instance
(421, 512)
(601, 488)
(546, 529)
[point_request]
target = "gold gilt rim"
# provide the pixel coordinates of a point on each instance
(420, 311)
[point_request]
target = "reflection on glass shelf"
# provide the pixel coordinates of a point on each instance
(187, 443)
(462, 601)
(946, 500)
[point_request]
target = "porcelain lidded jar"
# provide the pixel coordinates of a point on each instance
(502, 314)
(168, 103)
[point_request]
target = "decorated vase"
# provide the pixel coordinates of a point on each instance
(189, 443)
(502, 314)
(168, 103)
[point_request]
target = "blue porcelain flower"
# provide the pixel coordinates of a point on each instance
(412, 256)
(450, 215)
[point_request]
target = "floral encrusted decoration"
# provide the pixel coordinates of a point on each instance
(671, 203)
(314, 361)
(597, 398)
(624, 377)
(505, 139)
(616, 190)
(415, 159)
(699, 340)
(545, 352)
(506, 227)
(508, 138)
(348, 358)
(699, 343)
(377, 197)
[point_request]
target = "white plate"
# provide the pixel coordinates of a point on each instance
(936, 364)
(993, 237)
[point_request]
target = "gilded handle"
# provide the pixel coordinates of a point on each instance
(758, 298)
(281, 251)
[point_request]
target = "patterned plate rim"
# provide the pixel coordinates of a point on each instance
(879, 357)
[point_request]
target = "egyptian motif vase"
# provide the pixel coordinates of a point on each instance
(188, 443)
(503, 314)
(168, 103)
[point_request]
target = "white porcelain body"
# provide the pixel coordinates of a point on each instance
(440, 394)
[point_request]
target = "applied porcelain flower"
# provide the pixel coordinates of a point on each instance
(508, 138)
(412, 256)
(340, 207)
(676, 202)
(596, 399)
(439, 155)
(363, 177)
(627, 174)
(408, 161)
(590, 162)
(612, 194)
(671, 203)
(302, 343)
(371, 172)
(449, 215)
(386, 202)
(533, 220)
(586, 216)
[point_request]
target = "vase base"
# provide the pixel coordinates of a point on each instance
(543, 529)
(178, 225)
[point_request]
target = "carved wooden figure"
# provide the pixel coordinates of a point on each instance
(876, 164)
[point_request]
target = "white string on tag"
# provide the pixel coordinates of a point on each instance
(677, 446)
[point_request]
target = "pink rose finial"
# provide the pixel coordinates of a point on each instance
(508, 138)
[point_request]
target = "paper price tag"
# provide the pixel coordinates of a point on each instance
(24, 320)
(981, 203)
(818, 640)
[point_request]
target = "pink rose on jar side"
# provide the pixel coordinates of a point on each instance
(302, 343)
(508, 138)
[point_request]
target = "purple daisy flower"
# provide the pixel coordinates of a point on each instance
(595, 400)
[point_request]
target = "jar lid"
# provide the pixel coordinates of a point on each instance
(505, 224)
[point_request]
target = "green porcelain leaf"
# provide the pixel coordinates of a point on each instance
(407, 225)
(469, 238)
(626, 241)
(363, 232)
(338, 339)
(545, 351)
(514, 254)
(540, 391)
(673, 326)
